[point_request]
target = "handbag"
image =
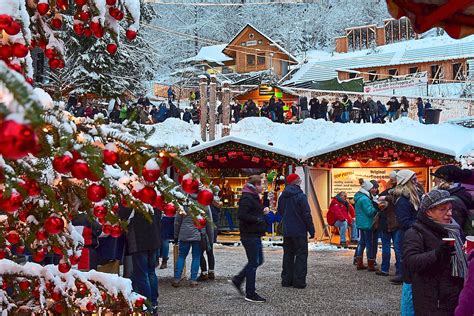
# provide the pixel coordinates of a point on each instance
(204, 242)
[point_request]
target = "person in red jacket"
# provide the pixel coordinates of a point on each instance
(341, 214)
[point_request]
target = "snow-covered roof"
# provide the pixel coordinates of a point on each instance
(212, 54)
(316, 137)
(324, 66)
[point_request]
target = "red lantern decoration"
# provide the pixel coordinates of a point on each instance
(199, 222)
(205, 197)
(24, 285)
(19, 50)
(110, 154)
(190, 185)
(80, 170)
(54, 225)
(43, 8)
(116, 231)
(16, 139)
(112, 48)
(169, 210)
(13, 237)
(131, 35)
(100, 211)
(64, 267)
(63, 164)
(12, 203)
(147, 195)
(96, 192)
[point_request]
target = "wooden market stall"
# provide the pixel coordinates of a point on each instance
(264, 92)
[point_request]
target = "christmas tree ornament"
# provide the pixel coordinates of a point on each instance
(12, 203)
(3, 253)
(169, 210)
(39, 256)
(56, 296)
(199, 222)
(43, 8)
(24, 285)
(50, 53)
(159, 202)
(116, 231)
(74, 259)
(23, 215)
(112, 48)
(131, 35)
(53, 63)
(63, 164)
(110, 2)
(36, 293)
(151, 171)
(96, 192)
(100, 211)
(90, 307)
(139, 302)
(5, 51)
(41, 235)
(63, 266)
(78, 28)
(62, 4)
(16, 139)
(80, 170)
(20, 250)
(53, 225)
(93, 177)
(57, 250)
(5, 20)
(30, 186)
(80, 3)
(84, 16)
(87, 32)
(107, 229)
(13, 28)
(13, 237)
(147, 195)
(19, 50)
(163, 162)
(56, 23)
(205, 197)
(190, 185)
(110, 154)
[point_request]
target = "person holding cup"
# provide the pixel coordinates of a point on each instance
(434, 257)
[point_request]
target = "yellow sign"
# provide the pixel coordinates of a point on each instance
(347, 179)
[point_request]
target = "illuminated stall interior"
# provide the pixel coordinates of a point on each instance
(264, 92)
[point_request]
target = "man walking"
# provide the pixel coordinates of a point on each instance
(297, 223)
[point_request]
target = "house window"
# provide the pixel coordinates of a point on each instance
(373, 75)
(250, 60)
(261, 59)
(412, 70)
(458, 73)
(393, 72)
(435, 73)
(352, 75)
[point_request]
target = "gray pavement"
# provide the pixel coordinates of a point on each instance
(334, 288)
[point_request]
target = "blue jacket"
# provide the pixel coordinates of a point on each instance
(365, 211)
(296, 215)
(406, 213)
(167, 227)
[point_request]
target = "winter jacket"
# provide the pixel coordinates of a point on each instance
(323, 109)
(280, 113)
(90, 231)
(251, 110)
(381, 109)
(336, 111)
(142, 235)
(421, 109)
(167, 227)
(466, 298)
(388, 218)
(404, 105)
(250, 214)
(110, 249)
(340, 211)
(371, 107)
(115, 116)
(314, 108)
(304, 104)
(187, 117)
(406, 212)
(365, 210)
(461, 205)
(435, 291)
(393, 106)
(184, 229)
(296, 215)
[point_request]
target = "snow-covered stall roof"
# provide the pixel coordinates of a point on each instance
(324, 66)
(211, 54)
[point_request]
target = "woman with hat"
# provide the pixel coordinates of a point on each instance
(433, 255)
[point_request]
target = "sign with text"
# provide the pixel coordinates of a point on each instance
(414, 80)
(347, 179)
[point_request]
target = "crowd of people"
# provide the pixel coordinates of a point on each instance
(427, 231)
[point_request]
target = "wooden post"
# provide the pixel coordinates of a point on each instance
(203, 106)
(212, 107)
(225, 109)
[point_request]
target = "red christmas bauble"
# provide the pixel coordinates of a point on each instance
(159, 202)
(169, 210)
(41, 235)
(11, 204)
(50, 53)
(205, 197)
(112, 48)
(110, 157)
(5, 51)
(53, 63)
(81, 2)
(163, 162)
(31, 187)
(24, 285)
(139, 302)
(119, 16)
(107, 229)
(57, 250)
(74, 259)
(16, 139)
(3, 253)
(35, 293)
(56, 296)
(87, 32)
(84, 15)
(150, 175)
(56, 23)
(19, 50)
(100, 211)
(20, 250)
(95, 26)
(110, 2)
(30, 81)
(64, 267)
(5, 20)
(96, 192)
(147, 195)
(13, 29)
(190, 185)
(39, 256)
(102, 220)
(62, 4)
(90, 307)
(199, 222)
(78, 28)
(23, 215)
(63, 164)
(116, 231)
(80, 170)
(43, 8)
(53, 225)
(131, 35)
(81, 288)
(13, 237)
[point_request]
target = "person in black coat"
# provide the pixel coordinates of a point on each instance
(314, 108)
(280, 112)
(437, 268)
(393, 107)
(252, 226)
(272, 109)
(297, 224)
(323, 109)
(143, 241)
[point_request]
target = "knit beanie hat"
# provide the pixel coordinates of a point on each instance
(367, 185)
(403, 176)
(393, 175)
(293, 179)
(434, 198)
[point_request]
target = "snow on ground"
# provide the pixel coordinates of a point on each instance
(316, 137)
(312, 246)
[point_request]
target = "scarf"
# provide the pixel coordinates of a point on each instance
(249, 188)
(458, 261)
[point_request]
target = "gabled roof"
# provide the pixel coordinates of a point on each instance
(284, 51)
(211, 54)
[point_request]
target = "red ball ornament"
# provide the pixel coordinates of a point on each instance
(3, 253)
(56, 296)
(5, 51)
(5, 20)
(53, 63)
(169, 210)
(110, 157)
(74, 259)
(39, 256)
(31, 187)
(50, 53)
(131, 35)
(63, 164)
(112, 48)
(163, 162)
(139, 302)
(43, 8)
(116, 231)
(147, 195)
(78, 28)
(57, 250)
(190, 185)
(100, 211)
(80, 170)
(35, 293)
(16, 139)
(110, 2)
(91, 176)
(81, 2)
(19, 50)
(90, 307)
(64, 267)
(20, 250)
(199, 222)
(87, 32)
(41, 235)
(205, 197)
(23, 215)
(13, 29)
(24, 285)
(84, 15)
(30, 81)
(159, 202)
(96, 192)
(62, 4)
(56, 23)
(107, 229)
(13, 237)
(12, 203)
(53, 225)
(150, 175)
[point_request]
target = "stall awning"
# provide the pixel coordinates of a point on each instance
(354, 85)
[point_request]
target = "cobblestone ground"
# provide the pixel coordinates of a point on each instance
(334, 287)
